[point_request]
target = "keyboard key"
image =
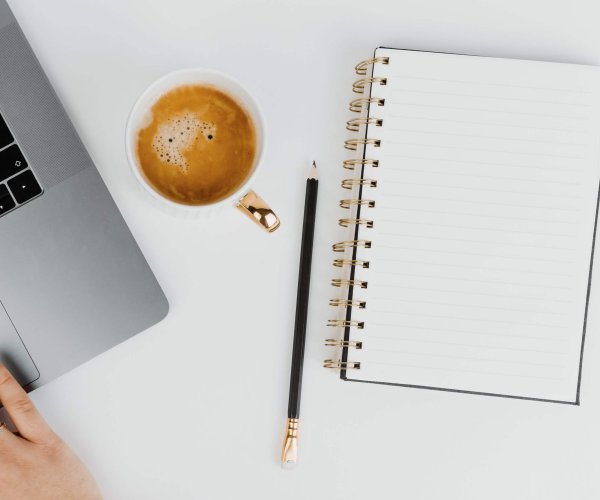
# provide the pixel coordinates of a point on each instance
(6, 201)
(11, 162)
(5, 135)
(24, 186)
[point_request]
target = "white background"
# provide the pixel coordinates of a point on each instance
(194, 408)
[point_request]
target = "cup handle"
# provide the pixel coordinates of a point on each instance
(255, 207)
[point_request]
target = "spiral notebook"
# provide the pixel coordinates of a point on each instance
(470, 209)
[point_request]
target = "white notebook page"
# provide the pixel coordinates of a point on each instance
(483, 225)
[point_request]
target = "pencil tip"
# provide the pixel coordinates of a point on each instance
(312, 174)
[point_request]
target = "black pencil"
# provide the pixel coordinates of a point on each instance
(289, 453)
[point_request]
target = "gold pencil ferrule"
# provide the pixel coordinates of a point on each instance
(289, 453)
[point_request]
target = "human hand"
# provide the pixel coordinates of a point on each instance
(35, 464)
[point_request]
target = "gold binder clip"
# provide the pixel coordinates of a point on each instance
(354, 202)
(337, 282)
(351, 164)
(354, 124)
(255, 207)
(361, 304)
(351, 262)
(359, 85)
(357, 105)
(353, 344)
(361, 67)
(341, 365)
(346, 323)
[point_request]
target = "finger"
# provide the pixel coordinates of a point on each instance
(22, 412)
(8, 440)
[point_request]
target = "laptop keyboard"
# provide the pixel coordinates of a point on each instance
(18, 184)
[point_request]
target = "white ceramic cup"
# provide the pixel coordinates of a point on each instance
(243, 198)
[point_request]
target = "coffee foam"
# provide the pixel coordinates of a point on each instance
(177, 135)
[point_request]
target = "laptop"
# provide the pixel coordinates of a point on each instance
(73, 282)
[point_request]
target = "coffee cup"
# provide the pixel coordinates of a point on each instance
(241, 195)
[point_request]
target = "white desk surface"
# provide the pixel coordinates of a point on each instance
(194, 408)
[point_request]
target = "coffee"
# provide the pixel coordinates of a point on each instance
(198, 145)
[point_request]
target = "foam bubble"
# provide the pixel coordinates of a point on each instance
(177, 135)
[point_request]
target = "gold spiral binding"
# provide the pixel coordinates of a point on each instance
(362, 67)
(354, 344)
(337, 282)
(350, 323)
(357, 105)
(350, 183)
(351, 262)
(355, 202)
(361, 304)
(343, 245)
(353, 144)
(356, 222)
(359, 85)
(341, 365)
(352, 163)
(354, 124)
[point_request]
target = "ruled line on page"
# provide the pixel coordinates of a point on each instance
(478, 346)
(479, 202)
(488, 242)
(485, 320)
(464, 306)
(460, 304)
(484, 268)
(468, 358)
(503, 374)
(481, 254)
(474, 280)
(454, 291)
(502, 164)
(492, 84)
(482, 189)
(487, 110)
(492, 229)
(483, 150)
(465, 332)
(534, 180)
(574, 130)
(472, 214)
(404, 91)
(493, 137)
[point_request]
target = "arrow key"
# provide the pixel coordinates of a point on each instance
(24, 187)
(6, 201)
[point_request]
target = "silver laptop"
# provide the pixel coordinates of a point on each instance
(73, 282)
